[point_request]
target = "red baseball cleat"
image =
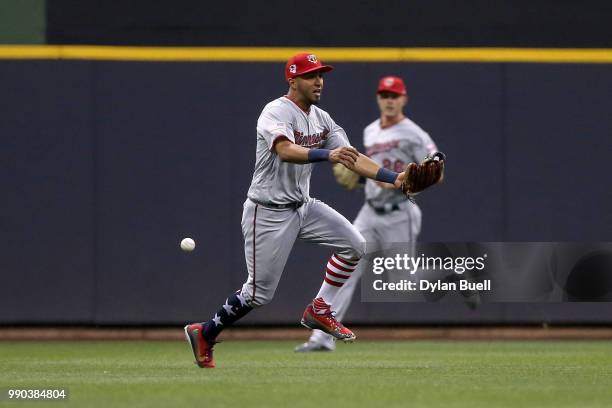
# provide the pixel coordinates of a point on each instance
(202, 348)
(326, 322)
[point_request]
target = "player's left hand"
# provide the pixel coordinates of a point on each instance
(400, 180)
(346, 155)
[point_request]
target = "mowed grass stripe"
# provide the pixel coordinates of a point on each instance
(364, 374)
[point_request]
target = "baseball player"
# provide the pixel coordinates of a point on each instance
(387, 216)
(292, 135)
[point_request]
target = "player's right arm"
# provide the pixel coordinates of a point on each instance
(290, 152)
(275, 126)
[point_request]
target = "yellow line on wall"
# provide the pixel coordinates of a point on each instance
(281, 54)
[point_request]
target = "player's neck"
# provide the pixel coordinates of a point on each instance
(301, 103)
(388, 121)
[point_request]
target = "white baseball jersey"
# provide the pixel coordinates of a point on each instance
(279, 182)
(393, 148)
(269, 233)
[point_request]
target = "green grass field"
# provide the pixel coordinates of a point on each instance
(270, 374)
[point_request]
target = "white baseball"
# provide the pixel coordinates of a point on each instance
(187, 244)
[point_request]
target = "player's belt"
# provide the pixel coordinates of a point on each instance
(387, 208)
(294, 205)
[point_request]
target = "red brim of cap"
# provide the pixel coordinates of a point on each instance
(323, 68)
(391, 91)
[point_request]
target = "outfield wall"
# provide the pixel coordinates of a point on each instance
(107, 165)
(352, 23)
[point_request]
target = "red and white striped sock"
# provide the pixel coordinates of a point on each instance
(319, 306)
(337, 272)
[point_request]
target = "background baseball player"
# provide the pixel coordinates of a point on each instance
(387, 216)
(293, 133)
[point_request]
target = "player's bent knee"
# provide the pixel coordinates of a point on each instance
(356, 250)
(361, 247)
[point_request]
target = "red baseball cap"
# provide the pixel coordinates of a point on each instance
(391, 84)
(303, 63)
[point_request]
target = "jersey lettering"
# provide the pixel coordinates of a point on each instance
(382, 147)
(315, 140)
(397, 165)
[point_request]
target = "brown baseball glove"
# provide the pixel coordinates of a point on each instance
(423, 175)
